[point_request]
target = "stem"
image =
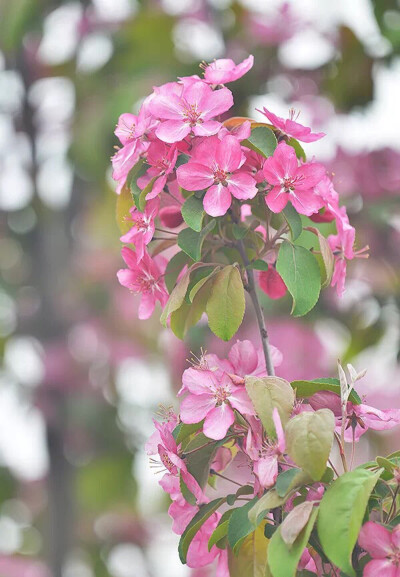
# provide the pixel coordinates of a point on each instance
(353, 449)
(393, 502)
(342, 453)
(251, 289)
(212, 472)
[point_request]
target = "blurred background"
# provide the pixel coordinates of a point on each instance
(81, 377)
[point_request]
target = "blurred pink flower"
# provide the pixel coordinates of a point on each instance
(143, 227)
(271, 283)
(292, 128)
(225, 70)
(19, 567)
(216, 165)
(145, 278)
(384, 548)
(188, 108)
(291, 181)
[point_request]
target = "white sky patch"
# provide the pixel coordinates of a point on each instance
(61, 34)
(196, 40)
(115, 10)
(94, 52)
(143, 382)
(307, 50)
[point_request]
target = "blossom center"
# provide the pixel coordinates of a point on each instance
(146, 283)
(288, 183)
(191, 113)
(395, 557)
(166, 461)
(221, 394)
(220, 176)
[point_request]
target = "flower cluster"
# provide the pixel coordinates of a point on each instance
(242, 431)
(184, 162)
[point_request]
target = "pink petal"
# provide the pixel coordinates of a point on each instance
(271, 283)
(375, 539)
(243, 357)
(147, 306)
(169, 108)
(207, 128)
(218, 102)
(172, 131)
(217, 200)
(194, 176)
(242, 186)
(275, 120)
(266, 470)
(218, 422)
(198, 382)
(276, 199)
(312, 174)
(380, 568)
(228, 154)
(396, 537)
(326, 400)
(241, 402)
(281, 165)
(194, 408)
(126, 277)
(301, 132)
(306, 201)
(279, 430)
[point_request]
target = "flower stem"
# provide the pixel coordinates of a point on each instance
(251, 289)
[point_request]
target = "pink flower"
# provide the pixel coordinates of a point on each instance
(144, 277)
(265, 454)
(271, 283)
(359, 417)
(125, 159)
(342, 245)
(225, 70)
(292, 128)
(189, 109)
(217, 166)
(171, 216)
(213, 399)
(292, 182)
(198, 554)
(173, 465)
(162, 159)
(384, 548)
(143, 227)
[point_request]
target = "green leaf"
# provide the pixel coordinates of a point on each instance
(174, 267)
(191, 242)
(282, 561)
(123, 206)
(258, 264)
(177, 297)
(226, 305)
(195, 524)
(385, 464)
(240, 526)
(266, 393)
(327, 255)
(138, 170)
(198, 461)
(183, 431)
(252, 558)
(199, 279)
(262, 140)
(285, 479)
(341, 514)
(186, 493)
(300, 272)
(306, 389)
(219, 533)
(298, 148)
(189, 314)
(239, 232)
(193, 212)
(293, 219)
(309, 439)
(268, 501)
(295, 522)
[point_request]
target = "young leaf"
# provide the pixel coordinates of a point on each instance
(225, 307)
(193, 212)
(240, 526)
(299, 150)
(177, 297)
(219, 533)
(283, 561)
(124, 203)
(174, 267)
(195, 524)
(306, 389)
(183, 431)
(138, 170)
(259, 264)
(327, 255)
(341, 514)
(262, 140)
(293, 219)
(191, 242)
(252, 558)
(266, 393)
(268, 501)
(285, 479)
(295, 522)
(189, 315)
(300, 272)
(309, 439)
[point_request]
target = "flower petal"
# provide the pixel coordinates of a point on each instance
(195, 408)
(229, 153)
(375, 539)
(242, 186)
(218, 422)
(194, 176)
(172, 131)
(217, 200)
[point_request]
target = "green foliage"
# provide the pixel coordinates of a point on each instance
(240, 526)
(262, 140)
(138, 195)
(195, 524)
(266, 393)
(309, 439)
(124, 203)
(200, 452)
(293, 220)
(193, 212)
(341, 515)
(300, 272)
(174, 267)
(191, 242)
(252, 558)
(285, 480)
(282, 559)
(226, 304)
(258, 264)
(306, 389)
(267, 502)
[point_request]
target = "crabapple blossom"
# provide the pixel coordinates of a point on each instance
(143, 227)
(189, 109)
(384, 548)
(162, 159)
(292, 128)
(225, 70)
(217, 166)
(144, 277)
(292, 182)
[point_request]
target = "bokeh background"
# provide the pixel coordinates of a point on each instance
(80, 376)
